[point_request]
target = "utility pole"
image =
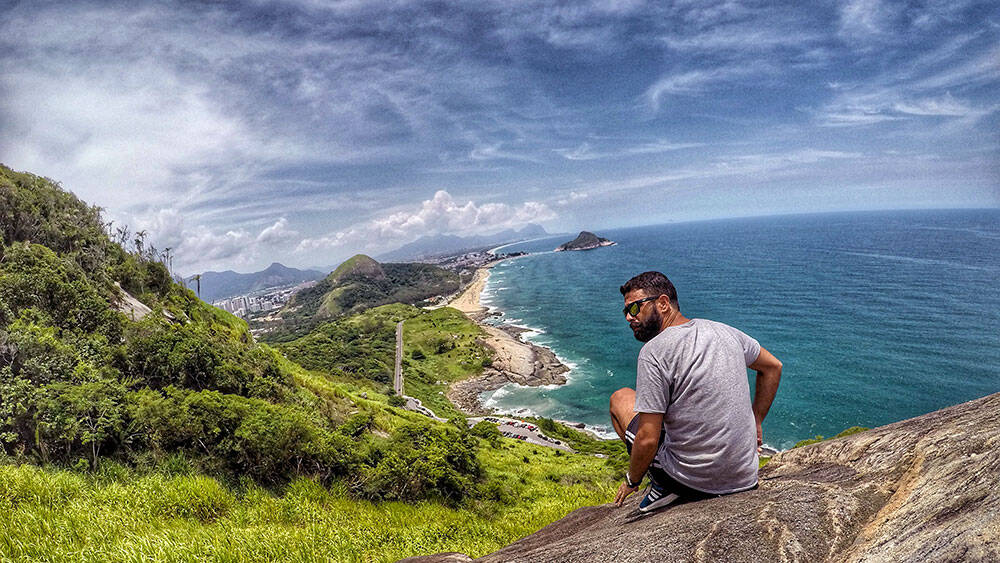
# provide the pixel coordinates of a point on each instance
(197, 280)
(397, 384)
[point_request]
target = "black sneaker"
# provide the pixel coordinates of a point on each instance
(656, 497)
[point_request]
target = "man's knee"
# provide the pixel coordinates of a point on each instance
(622, 400)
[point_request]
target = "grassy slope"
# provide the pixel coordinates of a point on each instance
(120, 515)
(440, 348)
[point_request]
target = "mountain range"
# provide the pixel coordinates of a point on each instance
(439, 245)
(220, 285)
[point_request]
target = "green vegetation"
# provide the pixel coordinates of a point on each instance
(81, 383)
(360, 283)
(121, 514)
(439, 348)
(583, 442)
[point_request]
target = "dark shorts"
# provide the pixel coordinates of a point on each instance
(683, 492)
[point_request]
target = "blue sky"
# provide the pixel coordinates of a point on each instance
(306, 131)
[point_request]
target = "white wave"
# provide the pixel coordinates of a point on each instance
(922, 261)
(494, 396)
(529, 331)
(602, 431)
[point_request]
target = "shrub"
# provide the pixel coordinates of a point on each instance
(268, 442)
(487, 431)
(422, 460)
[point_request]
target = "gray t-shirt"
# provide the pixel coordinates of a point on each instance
(695, 373)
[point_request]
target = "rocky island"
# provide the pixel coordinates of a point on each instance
(585, 241)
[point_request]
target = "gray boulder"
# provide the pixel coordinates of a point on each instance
(924, 489)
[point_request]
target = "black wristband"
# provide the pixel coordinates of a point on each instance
(628, 481)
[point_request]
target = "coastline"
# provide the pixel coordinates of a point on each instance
(514, 361)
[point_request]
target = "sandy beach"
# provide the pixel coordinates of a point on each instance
(468, 301)
(514, 360)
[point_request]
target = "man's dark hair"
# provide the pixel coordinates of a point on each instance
(653, 283)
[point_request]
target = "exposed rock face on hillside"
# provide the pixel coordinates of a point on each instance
(133, 308)
(924, 489)
(584, 241)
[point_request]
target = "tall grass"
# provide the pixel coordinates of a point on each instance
(121, 514)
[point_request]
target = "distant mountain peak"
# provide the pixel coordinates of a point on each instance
(358, 266)
(441, 245)
(220, 285)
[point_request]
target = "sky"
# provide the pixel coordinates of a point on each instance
(305, 131)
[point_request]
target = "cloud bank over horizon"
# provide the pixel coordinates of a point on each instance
(241, 132)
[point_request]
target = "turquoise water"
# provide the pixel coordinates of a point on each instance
(877, 317)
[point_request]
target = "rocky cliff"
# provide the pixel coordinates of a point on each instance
(924, 489)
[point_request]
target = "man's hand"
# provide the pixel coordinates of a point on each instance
(623, 492)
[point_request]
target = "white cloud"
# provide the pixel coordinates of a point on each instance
(277, 233)
(866, 19)
(207, 247)
(496, 152)
(441, 214)
(586, 152)
(199, 247)
(765, 165)
(572, 197)
(893, 104)
(698, 81)
(685, 83)
(744, 38)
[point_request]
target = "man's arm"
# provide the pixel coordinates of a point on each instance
(768, 370)
(647, 441)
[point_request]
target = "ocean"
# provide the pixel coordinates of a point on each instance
(877, 316)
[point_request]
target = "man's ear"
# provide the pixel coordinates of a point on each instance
(663, 304)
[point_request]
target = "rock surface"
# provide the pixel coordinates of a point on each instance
(924, 489)
(584, 241)
(133, 308)
(514, 361)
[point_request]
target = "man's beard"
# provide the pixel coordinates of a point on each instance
(646, 330)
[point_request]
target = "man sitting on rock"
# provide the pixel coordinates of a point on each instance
(689, 422)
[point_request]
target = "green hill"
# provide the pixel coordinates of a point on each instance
(361, 283)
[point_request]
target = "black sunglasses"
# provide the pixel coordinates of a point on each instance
(634, 307)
